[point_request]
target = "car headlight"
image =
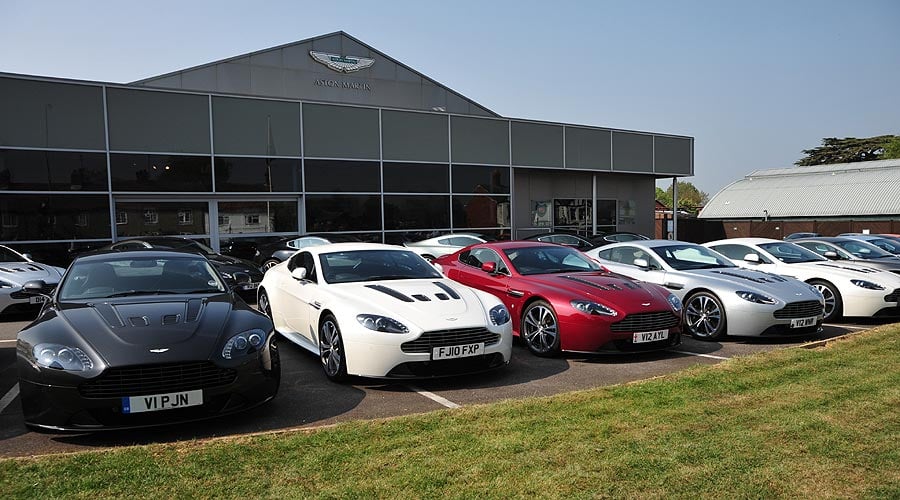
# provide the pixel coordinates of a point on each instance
(756, 298)
(868, 285)
(588, 307)
(499, 315)
(243, 343)
(381, 323)
(62, 357)
(675, 302)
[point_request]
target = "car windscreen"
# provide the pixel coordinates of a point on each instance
(790, 253)
(862, 250)
(887, 245)
(129, 276)
(687, 257)
(7, 255)
(374, 265)
(549, 259)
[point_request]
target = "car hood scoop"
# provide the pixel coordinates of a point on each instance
(123, 328)
(20, 272)
(603, 286)
(754, 276)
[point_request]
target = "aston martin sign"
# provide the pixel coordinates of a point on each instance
(342, 64)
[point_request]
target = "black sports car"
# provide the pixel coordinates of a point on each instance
(227, 266)
(143, 338)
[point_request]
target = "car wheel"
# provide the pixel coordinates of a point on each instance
(331, 349)
(262, 303)
(705, 316)
(834, 305)
(540, 329)
(428, 257)
(269, 264)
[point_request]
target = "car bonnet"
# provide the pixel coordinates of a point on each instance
(21, 272)
(751, 280)
(624, 294)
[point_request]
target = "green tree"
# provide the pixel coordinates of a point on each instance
(892, 149)
(849, 150)
(690, 199)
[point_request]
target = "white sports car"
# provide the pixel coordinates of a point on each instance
(17, 269)
(382, 311)
(439, 246)
(719, 298)
(849, 289)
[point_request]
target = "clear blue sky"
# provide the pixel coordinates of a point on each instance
(753, 82)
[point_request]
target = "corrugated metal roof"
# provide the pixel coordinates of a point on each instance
(869, 188)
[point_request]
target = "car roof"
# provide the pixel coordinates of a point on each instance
(745, 241)
(352, 247)
(826, 239)
(509, 245)
(111, 255)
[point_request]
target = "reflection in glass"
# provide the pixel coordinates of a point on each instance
(480, 211)
(416, 178)
(53, 217)
(152, 219)
(333, 176)
(480, 179)
(52, 171)
(343, 213)
(137, 172)
(416, 212)
(241, 217)
(258, 174)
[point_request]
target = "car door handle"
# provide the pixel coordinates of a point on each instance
(514, 293)
(673, 286)
(315, 304)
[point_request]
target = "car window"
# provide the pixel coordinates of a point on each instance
(8, 255)
(305, 260)
(790, 253)
(686, 257)
(822, 248)
(628, 254)
(482, 255)
(306, 241)
(629, 237)
(463, 241)
(549, 259)
(887, 245)
(445, 241)
(374, 265)
(863, 250)
(129, 276)
(737, 252)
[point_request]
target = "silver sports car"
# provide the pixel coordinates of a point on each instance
(719, 298)
(17, 269)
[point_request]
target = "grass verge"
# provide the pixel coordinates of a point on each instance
(789, 423)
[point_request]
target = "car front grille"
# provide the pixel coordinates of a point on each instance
(443, 338)
(157, 379)
(893, 296)
(803, 309)
(646, 322)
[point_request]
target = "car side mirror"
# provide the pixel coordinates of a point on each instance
(751, 258)
(34, 287)
(241, 278)
(489, 267)
(642, 263)
(831, 254)
(299, 273)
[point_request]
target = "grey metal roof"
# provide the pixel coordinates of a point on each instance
(869, 188)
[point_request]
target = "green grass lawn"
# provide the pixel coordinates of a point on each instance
(790, 423)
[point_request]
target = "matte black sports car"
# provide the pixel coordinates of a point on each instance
(143, 338)
(227, 266)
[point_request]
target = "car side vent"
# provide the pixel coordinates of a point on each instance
(421, 297)
(442, 296)
(194, 307)
(451, 292)
(171, 319)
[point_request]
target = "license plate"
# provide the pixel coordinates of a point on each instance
(251, 286)
(457, 351)
(801, 322)
(37, 299)
(157, 402)
(653, 336)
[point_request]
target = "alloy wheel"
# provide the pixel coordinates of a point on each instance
(540, 329)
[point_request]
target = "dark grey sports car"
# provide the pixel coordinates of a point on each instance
(143, 338)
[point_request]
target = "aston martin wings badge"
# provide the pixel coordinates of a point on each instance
(342, 64)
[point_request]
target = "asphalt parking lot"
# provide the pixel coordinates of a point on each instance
(308, 399)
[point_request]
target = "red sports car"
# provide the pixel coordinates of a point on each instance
(561, 300)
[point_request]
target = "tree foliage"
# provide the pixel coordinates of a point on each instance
(690, 198)
(851, 149)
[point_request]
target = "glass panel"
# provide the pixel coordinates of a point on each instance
(238, 217)
(340, 131)
(400, 237)
(632, 152)
(416, 178)
(414, 136)
(480, 211)
(342, 176)
(161, 218)
(537, 144)
(170, 122)
(343, 213)
(254, 174)
(572, 214)
(256, 127)
(160, 173)
(53, 217)
(587, 148)
(57, 254)
(478, 140)
(606, 214)
(52, 170)
(480, 180)
(672, 155)
(416, 212)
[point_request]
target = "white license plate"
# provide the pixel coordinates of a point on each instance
(653, 336)
(801, 322)
(37, 299)
(457, 351)
(157, 402)
(251, 286)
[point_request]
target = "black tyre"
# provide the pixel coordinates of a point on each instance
(540, 329)
(269, 264)
(704, 316)
(331, 349)
(834, 305)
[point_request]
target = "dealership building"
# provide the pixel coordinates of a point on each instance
(323, 135)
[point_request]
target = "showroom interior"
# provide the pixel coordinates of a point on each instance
(326, 134)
